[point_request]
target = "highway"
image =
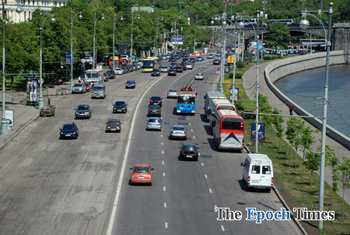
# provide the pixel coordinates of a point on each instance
(52, 186)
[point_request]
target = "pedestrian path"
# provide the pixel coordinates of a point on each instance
(249, 78)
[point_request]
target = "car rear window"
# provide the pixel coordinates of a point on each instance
(256, 169)
(141, 169)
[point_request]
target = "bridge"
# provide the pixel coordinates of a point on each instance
(340, 34)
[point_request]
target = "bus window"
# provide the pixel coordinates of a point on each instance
(232, 124)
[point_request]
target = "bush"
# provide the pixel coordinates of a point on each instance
(272, 57)
(238, 74)
(240, 64)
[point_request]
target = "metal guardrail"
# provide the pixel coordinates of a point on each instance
(63, 91)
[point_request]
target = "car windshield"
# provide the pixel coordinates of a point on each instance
(78, 85)
(186, 99)
(172, 90)
(68, 127)
(110, 72)
(119, 103)
(87, 84)
(155, 98)
(141, 169)
(83, 107)
(164, 67)
(189, 148)
(155, 70)
(98, 88)
(113, 121)
(199, 74)
(130, 82)
(154, 120)
(232, 124)
(178, 128)
(154, 107)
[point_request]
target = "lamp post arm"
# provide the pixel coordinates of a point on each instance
(324, 29)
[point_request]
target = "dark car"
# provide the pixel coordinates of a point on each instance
(83, 111)
(105, 77)
(189, 151)
(192, 59)
(199, 58)
(172, 72)
(113, 125)
(69, 130)
(155, 72)
(110, 74)
(120, 107)
(156, 100)
(154, 110)
(173, 65)
(130, 84)
(217, 61)
(179, 68)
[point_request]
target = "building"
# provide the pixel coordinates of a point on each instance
(22, 10)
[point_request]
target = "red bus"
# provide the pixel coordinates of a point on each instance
(228, 129)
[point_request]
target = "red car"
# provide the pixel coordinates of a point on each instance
(172, 72)
(87, 86)
(179, 68)
(141, 174)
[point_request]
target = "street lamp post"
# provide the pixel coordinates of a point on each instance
(132, 29)
(113, 47)
(71, 47)
(305, 23)
(41, 99)
(94, 42)
(257, 86)
(4, 130)
(224, 22)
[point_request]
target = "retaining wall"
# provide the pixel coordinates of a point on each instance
(282, 68)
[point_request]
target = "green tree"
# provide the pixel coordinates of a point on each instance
(306, 141)
(278, 35)
(294, 133)
(333, 163)
(312, 163)
(344, 178)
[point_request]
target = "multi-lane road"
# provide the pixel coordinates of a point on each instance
(52, 186)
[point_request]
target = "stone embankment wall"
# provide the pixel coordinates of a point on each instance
(282, 68)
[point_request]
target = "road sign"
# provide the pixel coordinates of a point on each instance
(261, 131)
(9, 113)
(68, 58)
(218, 69)
(230, 59)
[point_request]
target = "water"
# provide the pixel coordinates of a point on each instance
(306, 89)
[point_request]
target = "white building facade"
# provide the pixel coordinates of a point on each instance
(27, 7)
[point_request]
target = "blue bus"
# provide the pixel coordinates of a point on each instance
(186, 102)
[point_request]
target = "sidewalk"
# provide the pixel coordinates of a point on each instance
(25, 115)
(249, 80)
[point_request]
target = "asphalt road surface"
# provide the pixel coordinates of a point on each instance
(52, 186)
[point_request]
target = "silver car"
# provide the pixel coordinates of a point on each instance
(119, 71)
(154, 123)
(79, 88)
(172, 93)
(164, 69)
(178, 132)
(189, 65)
(199, 76)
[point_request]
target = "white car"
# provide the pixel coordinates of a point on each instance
(189, 65)
(172, 93)
(199, 76)
(119, 71)
(178, 132)
(164, 69)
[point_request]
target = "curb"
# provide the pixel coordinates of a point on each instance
(19, 130)
(287, 207)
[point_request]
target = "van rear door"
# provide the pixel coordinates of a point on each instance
(266, 174)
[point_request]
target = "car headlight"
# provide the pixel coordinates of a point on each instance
(62, 133)
(108, 127)
(74, 133)
(77, 113)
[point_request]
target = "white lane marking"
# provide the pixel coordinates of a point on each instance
(194, 137)
(222, 228)
(164, 188)
(164, 204)
(166, 225)
(162, 162)
(163, 174)
(202, 163)
(189, 123)
(191, 130)
(121, 175)
(162, 152)
(210, 191)
(205, 176)
(162, 143)
(161, 136)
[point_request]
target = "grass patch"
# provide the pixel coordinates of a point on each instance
(289, 173)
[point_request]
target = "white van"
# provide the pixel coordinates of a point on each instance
(258, 171)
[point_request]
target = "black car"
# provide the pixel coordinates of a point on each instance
(155, 72)
(189, 151)
(83, 111)
(172, 72)
(110, 74)
(179, 68)
(130, 84)
(69, 130)
(113, 125)
(217, 61)
(120, 107)
(154, 110)
(192, 59)
(155, 100)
